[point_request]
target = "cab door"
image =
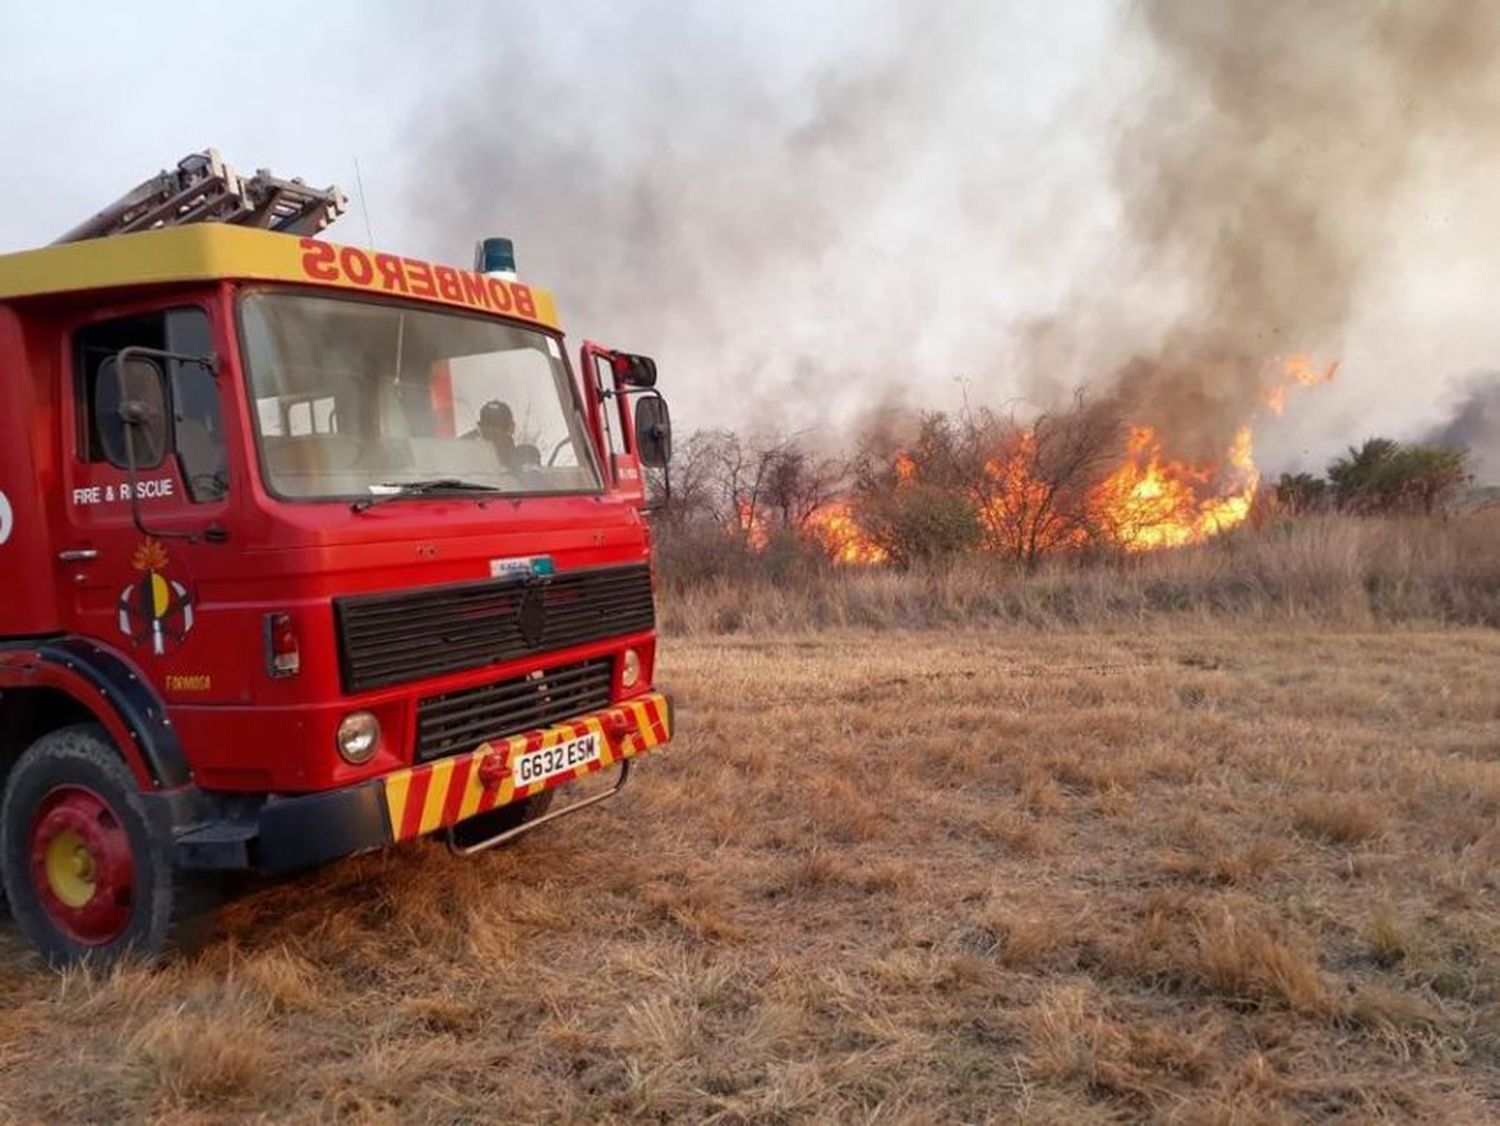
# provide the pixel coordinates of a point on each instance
(611, 418)
(135, 554)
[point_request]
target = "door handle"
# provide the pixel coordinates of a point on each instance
(78, 555)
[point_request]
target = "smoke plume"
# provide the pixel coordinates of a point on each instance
(797, 216)
(1474, 425)
(1263, 170)
(801, 217)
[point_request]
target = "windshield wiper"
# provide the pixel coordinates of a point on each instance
(435, 487)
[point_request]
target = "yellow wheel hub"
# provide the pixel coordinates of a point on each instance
(70, 869)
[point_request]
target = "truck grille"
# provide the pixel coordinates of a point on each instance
(460, 721)
(390, 638)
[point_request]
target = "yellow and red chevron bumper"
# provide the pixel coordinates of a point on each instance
(426, 798)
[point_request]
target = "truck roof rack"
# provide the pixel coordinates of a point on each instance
(204, 189)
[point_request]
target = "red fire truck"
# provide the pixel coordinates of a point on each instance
(305, 549)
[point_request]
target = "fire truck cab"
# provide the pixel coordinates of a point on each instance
(305, 550)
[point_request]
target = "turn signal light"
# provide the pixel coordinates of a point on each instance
(283, 651)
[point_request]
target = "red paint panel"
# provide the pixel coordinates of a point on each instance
(416, 798)
(458, 782)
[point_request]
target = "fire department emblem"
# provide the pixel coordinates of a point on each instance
(155, 609)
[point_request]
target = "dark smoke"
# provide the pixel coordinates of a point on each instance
(1474, 425)
(1262, 170)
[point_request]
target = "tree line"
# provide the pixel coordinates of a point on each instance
(937, 485)
(1380, 477)
(944, 483)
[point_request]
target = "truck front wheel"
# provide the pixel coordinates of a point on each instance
(84, 872)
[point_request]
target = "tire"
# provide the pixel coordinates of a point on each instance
(86, 875)
(502, 820)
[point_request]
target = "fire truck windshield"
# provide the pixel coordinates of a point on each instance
(354, 399)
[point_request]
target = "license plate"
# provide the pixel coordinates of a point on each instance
(538, 766)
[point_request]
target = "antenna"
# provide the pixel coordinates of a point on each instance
(359, 186)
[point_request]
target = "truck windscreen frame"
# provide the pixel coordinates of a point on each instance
(355, 399)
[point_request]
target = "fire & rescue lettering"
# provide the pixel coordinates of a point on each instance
(110, 494)
(324, 262)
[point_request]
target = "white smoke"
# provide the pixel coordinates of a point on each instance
(806, 212)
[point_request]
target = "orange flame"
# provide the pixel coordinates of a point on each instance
(1151, 502)
(1297, 370)
(842, 537)
(1017, 506)
(753, 527)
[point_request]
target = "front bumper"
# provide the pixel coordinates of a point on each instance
(284, 833)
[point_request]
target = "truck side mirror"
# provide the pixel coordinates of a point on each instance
(635, 371)
(653, 430)
(130, 408)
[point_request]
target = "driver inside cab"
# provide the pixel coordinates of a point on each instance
(497, 425)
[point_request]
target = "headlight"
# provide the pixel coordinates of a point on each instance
(630, 669)
(359, 735)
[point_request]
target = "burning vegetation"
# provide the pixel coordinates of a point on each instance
(1084, 479)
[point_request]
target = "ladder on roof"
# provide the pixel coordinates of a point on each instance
(204, 189)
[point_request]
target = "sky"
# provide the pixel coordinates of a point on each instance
(807, 211)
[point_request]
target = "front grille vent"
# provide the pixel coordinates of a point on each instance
(407, 635)
(459, 721)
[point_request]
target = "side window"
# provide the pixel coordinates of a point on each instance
(91, 347)
(197, 438)
(614, 432)
(198, 429)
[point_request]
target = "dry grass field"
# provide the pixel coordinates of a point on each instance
(1192, 872)
(1342, 571)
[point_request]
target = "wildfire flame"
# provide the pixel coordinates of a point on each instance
(753, 527)
(843, 538)
(1298, 370)
(1017, 505)
(833, 526)
(1152, 502)
(1148, 502)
